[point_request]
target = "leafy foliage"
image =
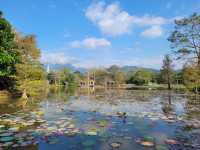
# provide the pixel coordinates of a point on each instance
(8, 54)
(167, 72)
(191, 77)
(141, 77)
(186, 38)
(19, 59)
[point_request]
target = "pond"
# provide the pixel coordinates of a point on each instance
(102, 120)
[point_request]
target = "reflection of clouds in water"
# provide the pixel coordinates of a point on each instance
(134, 104)
(132, 108)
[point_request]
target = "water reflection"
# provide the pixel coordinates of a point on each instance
(100, 120)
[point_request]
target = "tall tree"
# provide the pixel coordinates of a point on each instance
(141, 77)
(100, 76)
(29, 69)
(119, 77)
(8, 54)
(186, 38)
(191, 77)
(167, 71)
(27, 47)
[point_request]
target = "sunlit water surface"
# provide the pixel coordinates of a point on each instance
(102, 120)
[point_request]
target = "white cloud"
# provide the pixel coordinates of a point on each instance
(56, 58)
(110, 19)
(91, 43)
(114, 21)
(153, 32)
(148, 20)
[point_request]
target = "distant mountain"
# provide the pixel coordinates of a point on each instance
(135, 68)
(61, 66)
(83, 70)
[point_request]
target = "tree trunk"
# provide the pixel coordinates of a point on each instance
(168, 81)
(169, 85)
(198, 62)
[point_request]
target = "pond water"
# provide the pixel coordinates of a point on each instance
(102, 120)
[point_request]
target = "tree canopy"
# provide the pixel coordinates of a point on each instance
(167, 71)
(185, 38)
(8, 55)
(141, 77)
(19, 60)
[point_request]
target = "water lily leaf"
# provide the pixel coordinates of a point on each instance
(6, 139)
(147, 143)
(6, 134)
(161, 147)
(91, 133)
(2, 126)
(115, 144)
(71, 126)
(149, 138)
(15, 145)
(89, 143)
(171, 142)
(6, 144)
(20, 135)
(39, 113)
(14, 129)
(102, 123)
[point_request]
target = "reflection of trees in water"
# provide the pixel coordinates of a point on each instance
(167, 106)
(124, 95)
(62, 93)
(12, 105)
(192, 106)
(121, 95)
(15, 105)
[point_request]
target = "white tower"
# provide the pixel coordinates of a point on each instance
(48, 68)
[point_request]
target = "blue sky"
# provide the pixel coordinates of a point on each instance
(97, 33)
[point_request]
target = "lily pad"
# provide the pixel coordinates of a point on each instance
(39, 113)
(147, 143)
(91, 133)
(115, 144)
(171, 142)
(6, 139)
(102, 123)
(6, 134)
(15, 145)
(6, 144)
(71, 126)
(149, 138)
(161, 147)
(89, 143)
(14, 129)
(2, 126)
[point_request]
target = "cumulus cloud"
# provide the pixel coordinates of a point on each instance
(153, 32)
(91, 43)
(110, 19)
(56, 58)
(114, 21)
(148, 20)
